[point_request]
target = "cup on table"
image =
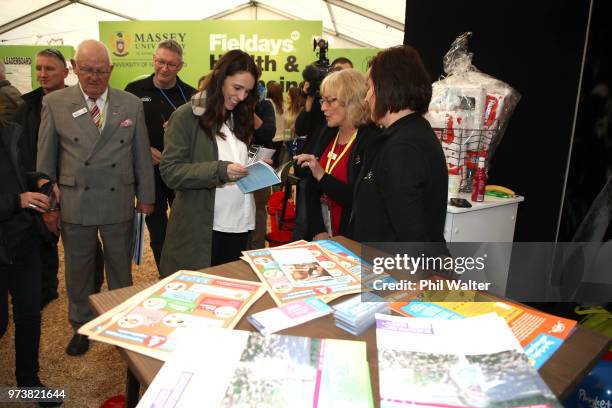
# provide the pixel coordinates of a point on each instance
(454, 182)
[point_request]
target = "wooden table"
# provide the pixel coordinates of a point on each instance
(578, 354)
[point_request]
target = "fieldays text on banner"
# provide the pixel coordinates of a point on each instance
(280, 48)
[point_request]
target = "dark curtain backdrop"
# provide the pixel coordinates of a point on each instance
(537, 48)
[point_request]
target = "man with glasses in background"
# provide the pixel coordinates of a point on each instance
(93, 140)
(51, 72)
(161, 94)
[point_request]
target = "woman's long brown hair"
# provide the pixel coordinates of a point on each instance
(231, 63)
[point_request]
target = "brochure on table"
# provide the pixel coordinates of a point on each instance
(154, 320)
(246, 369)
(473, 362)
(301, 271)
(539, 333)
(290, 315)
(360, 267)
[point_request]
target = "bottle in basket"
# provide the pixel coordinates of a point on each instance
(480, 180)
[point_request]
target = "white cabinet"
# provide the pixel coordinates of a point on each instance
(490, 221)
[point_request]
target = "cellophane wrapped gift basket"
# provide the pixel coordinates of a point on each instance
(469, 111)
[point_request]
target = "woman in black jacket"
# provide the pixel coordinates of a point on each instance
(401, 193)
(337, 157)
(20, 271)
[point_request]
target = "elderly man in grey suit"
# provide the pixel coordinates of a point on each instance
(93, 141)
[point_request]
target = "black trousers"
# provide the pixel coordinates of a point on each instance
(227, 247)
(158, 221)
(49, 267)
(23, 280)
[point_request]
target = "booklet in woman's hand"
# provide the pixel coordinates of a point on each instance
(261, 175)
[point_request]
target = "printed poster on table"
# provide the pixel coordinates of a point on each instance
(539, 333)
(252, 370)
(152, 322)
(301, 271)
(472, 362)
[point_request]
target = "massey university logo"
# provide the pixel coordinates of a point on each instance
(120, 43)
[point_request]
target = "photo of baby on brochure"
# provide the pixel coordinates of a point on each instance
(303, 274)
(302, 268)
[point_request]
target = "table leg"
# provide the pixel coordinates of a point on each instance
(132, 390)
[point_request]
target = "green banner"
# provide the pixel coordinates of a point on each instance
(358, 56)
(20, 63)
(280, 48)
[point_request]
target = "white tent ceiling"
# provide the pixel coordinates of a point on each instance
(355, 23)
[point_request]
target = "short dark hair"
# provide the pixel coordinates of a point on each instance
(342, 60)
(53, 52)
(400, 81)
(231, 63)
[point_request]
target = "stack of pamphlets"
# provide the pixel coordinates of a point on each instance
(472, 362)
(218, 368)
(290, 315)
(357, 314)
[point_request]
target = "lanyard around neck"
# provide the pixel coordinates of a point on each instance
(332, 158)
(168, 99)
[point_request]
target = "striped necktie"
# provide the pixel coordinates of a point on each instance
(95, 113)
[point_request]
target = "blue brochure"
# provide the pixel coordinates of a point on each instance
(261, 175)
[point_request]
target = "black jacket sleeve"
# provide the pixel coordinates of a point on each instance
(264, 135)
(314, 216)
(9, 205)
(340, 192)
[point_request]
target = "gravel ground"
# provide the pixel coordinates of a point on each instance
(89, 379)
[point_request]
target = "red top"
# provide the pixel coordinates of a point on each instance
(339, 171)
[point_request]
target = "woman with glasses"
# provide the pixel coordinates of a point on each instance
(400, 195)
(338, 154)
(205, 154)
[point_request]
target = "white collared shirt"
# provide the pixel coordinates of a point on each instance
(101, 102)
(234, 210)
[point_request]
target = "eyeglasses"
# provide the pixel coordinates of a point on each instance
(55, 52)
(170, 65)
(328, 101)
(91, 72)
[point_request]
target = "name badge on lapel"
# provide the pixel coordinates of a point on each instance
(78, 113)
